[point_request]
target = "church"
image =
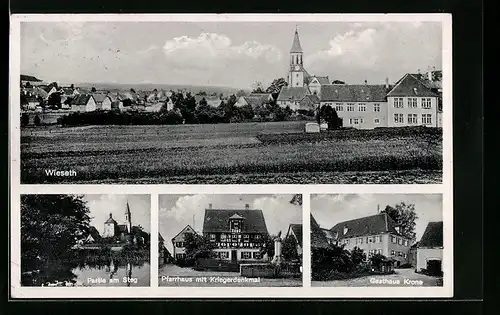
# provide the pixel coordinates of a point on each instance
(114, 230)
(414, 100)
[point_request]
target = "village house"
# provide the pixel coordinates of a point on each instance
(359, 106)
(29, 102)
(83, 103)
(179, 244)
(103, 101)
(237, 234)
(412, 102)
(430, 249)
(295, 231)
(376, 234)
(212, 100)
(254, 99)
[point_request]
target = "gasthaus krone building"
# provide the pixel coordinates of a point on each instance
(238, 234)
(414, 100)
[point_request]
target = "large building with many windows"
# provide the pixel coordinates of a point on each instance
(238, 234)
(414, 100)
(376, 234)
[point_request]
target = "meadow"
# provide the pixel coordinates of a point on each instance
(243, 153)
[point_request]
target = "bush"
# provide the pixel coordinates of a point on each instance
(25, 120)
(113, 117)
(37, 121)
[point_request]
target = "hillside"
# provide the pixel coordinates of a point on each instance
(30, 78)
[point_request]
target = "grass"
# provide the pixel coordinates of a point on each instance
(230, 153)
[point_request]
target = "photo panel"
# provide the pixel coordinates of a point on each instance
(85, 240)
(377, 240)
(232, 240)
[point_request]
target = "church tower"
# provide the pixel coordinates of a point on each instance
(296, 72)
(128, 219)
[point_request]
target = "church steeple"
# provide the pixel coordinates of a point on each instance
(296, 48)
(128, 218)
(296, 73)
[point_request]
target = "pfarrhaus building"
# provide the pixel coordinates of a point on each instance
(413, 100)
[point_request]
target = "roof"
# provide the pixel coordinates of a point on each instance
(66, 90)
(310, 100)
(257, 99)
(411, 85)
(94, 233)
(353, 93)
(110, 220)
(322, 80)
(81, 99)
(99, 97)
(297, 230)
(122, 228)
(293, 93)
(207, 98)
(187, 228)
(371, 225)
(217, 220)
(328, 233)
(296, 48)
(318, 238)
(433, 235)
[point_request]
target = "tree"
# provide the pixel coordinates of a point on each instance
(404, 215)
(276, 86)
(296, 200)
(28, 85)
(289, 249)
(198, 246)
(241, 93)
(25, 120)
(54, 84)
(243, 113)
(54, 99)
(202, 93)
(338, 82)
(37, 121)
(262, 110)
(257, 87)
(50, 226)
(267, 246)
(329, 114)
(228, 108)
(132, 90)
(93, 89)
(203, 112)
(357, 256)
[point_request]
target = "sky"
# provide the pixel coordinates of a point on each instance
(101, 206)
(232, 54)
(177, 211)
(329, 210)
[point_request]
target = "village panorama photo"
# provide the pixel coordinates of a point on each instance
(377, 240)
(217, 100)
(230, 240)
(85, 241)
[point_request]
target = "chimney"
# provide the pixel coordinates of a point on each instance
(429, 75)
(247, 206)
(366, 82)
(209, 206)
(110, 215)
(418, 71)
(387, 83)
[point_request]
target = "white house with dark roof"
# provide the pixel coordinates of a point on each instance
(430, 248)
(83, 103)
(412, 102)
(238, 234)
(376, 234)
(178, 244)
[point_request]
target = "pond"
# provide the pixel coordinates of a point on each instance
(89, 273)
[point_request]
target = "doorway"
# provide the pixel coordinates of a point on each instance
(434, 267)
(234, 255)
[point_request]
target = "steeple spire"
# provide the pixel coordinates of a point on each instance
(296, 48)
(128, 219)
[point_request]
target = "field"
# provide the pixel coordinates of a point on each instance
(246, 153)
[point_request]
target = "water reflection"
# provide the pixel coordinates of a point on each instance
(90, 271)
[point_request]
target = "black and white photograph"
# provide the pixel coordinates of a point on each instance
(230, 240)
(227, 101)
(85, 240)
(370, 240)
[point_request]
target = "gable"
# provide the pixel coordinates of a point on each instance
(318, 238)
(180, 237)
(433, 235)
(410, 85)
(217, 220)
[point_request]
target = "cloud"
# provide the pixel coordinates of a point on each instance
(211, 50)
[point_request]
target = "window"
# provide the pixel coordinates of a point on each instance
(339, 107)
(404, 255)
(369, 239)
(356, 121)
(223, 255)
(378, 239)
(180, 256)
(412, 102)
(350, 107)
(256, 255)
(246, 255)
(376, 121)
(359, 241)
(234, 237)
(426, 119)
(376, 107)
(412, 119)
(393, 239)
(347, 241)
(398, 118)
(297, 75)
(223, 237)
(379, 251)
(400, 241)
(398, 102)
(361, 120)
(350, 121)
(212, 237)
(258, 236)
(426, 103)
(393, 252)
(179, 244)
(406, 243)
(362, 107)
(246, 237)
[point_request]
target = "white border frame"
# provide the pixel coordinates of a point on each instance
(446, 188)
